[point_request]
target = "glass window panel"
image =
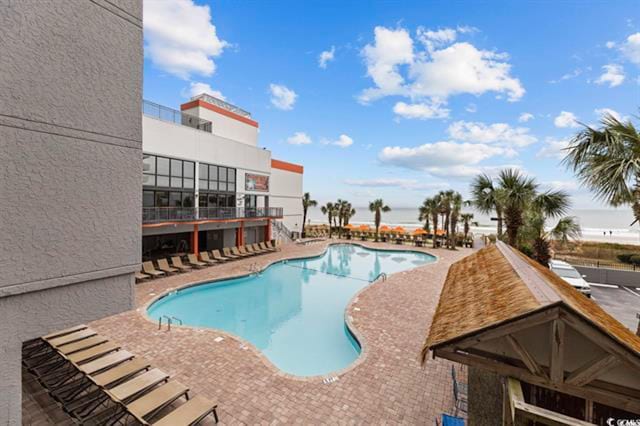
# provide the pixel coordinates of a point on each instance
(188, 169)
(222, 186)
(148, 199)
(231, 175)
(203, 184)
(203, 171)
(231, 187)
(187, 199)
(176, 182)
(188, 183)
(149, 163)
(148, 180)
(162, 199)
(175, 199)
(202, 200)
(213, 172)
(222, 174)
(176, 168)
(213, 185)
(162, 181)
(162, 165)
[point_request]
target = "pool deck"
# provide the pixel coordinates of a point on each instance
(387, 385)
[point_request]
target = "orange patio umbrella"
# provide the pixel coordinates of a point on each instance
(419, 231)
(363, 227)
(399, 230)
(350, 227)
(440, 232)
(385, 228)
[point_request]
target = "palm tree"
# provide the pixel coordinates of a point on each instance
(445, 198)
(466, 220)
(306, 203)
(433, 205)
(425, 214)
(566, 229)
(378, 206)
(348, 213)
(549, 204)
(329, 210)
(607, 160)
(516, 191)
(485, 198)
(456, 205)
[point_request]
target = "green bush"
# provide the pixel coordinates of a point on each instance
(635, 260)
(631, 258)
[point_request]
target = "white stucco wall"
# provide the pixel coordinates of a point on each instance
(227, 127)
(286, 192)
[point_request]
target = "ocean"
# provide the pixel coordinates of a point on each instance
(611, 225)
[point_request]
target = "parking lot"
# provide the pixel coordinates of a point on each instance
(621, 302)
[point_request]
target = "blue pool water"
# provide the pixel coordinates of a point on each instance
(294, 310)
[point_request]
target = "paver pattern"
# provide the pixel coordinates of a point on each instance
(387, 385)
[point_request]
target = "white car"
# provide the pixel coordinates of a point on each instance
(570, 275)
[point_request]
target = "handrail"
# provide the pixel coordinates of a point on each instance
(177, 319)
(168, 321)
(383, 275)
(163, 214)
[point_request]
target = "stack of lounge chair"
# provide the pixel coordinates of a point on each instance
(214, 257)
(97, 382)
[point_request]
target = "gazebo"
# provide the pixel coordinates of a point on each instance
(536, 348)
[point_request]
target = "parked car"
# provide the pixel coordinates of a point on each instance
(571, 276)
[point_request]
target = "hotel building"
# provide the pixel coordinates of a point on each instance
(208, 185)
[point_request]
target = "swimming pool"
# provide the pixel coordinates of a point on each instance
(294, 310)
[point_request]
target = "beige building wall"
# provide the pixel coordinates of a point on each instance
(70, 182)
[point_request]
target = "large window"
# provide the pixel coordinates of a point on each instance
(162, 172)
(217, 186)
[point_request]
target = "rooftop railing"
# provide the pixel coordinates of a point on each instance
(177, 214)
(222, 104)
(161, 112)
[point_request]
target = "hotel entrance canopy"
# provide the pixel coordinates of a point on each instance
(502, 312)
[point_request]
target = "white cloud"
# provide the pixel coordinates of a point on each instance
(525, 116)
(465, 172)
(565, 119)
(431, 156)
(343, 141)
(560, 185)
(602, 112)
(421, 111)
(471, 108)
(497, 133)
(610, 44)
(299, 138)
(439, 70)
(553, 148)
(613, 75)
(180, 37)
(631, 48)
(282, 97)
(326, 57)
(197, 88)
(412, 184)
(568, 76)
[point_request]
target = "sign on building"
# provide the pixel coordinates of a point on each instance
(254, 182)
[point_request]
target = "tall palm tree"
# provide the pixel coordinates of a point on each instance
(466, 220)
(516, 191)
(566, 229)
(445, 198)
(329, 210)
(433, 205)
(306, 203)
(543, 206)
(485, 197)
(454, 214)
(607, 160)
(348, 213)
(377, 207)
(425, 214)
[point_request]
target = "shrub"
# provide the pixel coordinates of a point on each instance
(635, 260)
(625, 257)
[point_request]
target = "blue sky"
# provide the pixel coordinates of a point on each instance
(413, 97)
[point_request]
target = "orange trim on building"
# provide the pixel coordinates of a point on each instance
(215, 108)
(289, 167)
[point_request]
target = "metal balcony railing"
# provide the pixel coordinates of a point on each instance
(222, 104)
(166, 214)
(164, 113)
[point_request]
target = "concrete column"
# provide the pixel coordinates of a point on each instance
(195, 240)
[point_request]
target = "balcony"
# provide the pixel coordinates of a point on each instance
(222, 104)
(182, 214)
(164, 113)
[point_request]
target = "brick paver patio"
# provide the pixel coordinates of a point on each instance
(387, 385)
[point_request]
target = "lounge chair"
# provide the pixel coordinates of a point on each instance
(274, 246)
(258, 249)
(141, 277)
(163, 265)
(217, 256)
(243, 250)
(176, 261)
(193, 261)
(264, 247)
(237, 252)
(204, 256)
(151, 403)
(229, 255)
(149, 269)
(189, 413)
